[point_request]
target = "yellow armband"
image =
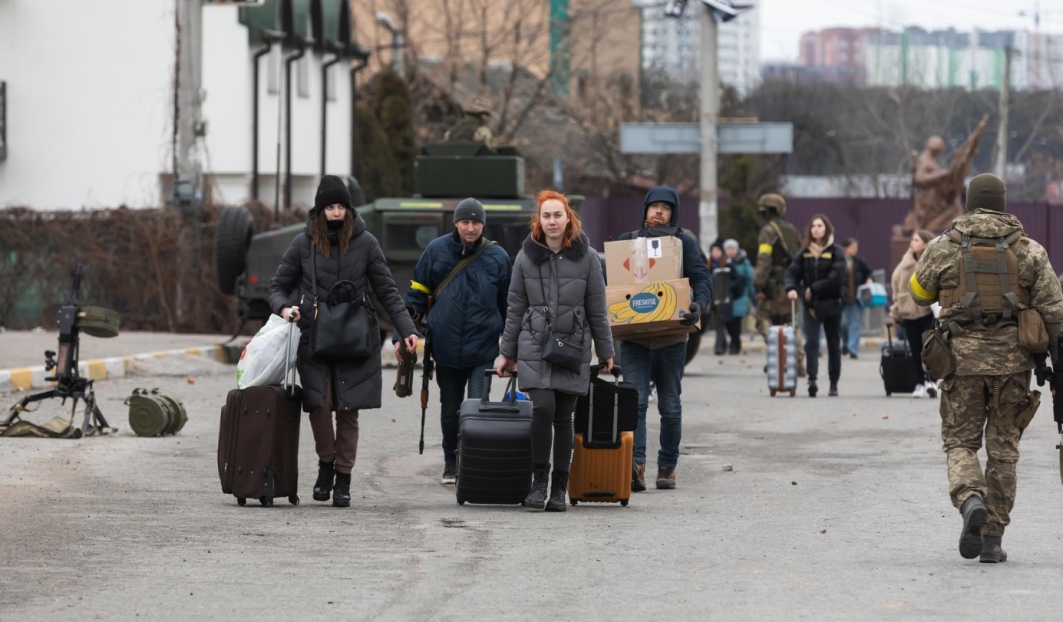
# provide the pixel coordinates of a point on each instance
(918, 291)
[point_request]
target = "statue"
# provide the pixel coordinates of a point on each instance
(936, 191)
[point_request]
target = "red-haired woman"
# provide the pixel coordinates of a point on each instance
(557, 290)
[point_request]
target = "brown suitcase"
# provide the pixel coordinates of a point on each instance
(258, 442)
(604, 442)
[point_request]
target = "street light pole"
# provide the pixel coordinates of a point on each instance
(385, 20)
(710, 113)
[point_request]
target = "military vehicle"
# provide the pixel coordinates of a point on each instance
(446, 173)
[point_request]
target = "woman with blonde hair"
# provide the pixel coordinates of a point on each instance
(914, 319)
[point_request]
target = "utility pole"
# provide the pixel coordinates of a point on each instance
(187, 100)
(1001, 168)
(710, 113)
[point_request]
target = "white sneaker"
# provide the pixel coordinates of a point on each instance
(653, 394)
(920, 391)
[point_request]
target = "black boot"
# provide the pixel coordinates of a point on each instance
(326, 477)
(991, 551)
(833, 389)
(974, 518)
(341, 496)
(536, 499)
(558, 488)
(812, 388)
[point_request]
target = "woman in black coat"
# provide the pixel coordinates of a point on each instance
(336, 239)
(819, 273)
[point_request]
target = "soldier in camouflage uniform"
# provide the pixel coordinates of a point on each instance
(778, 240)
(972, 271)
(473, 126)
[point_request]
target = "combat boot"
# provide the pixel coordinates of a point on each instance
(991, 551)
(812, 388)
(833, 389)
(536, 499)
(558, 488)
(638, 477)
(974, 518)
(326, 475)
(341, 495)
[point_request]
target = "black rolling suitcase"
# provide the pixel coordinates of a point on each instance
(896, 366)
(494, 448)
(258, 441)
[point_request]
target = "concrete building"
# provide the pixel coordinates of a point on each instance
(672, 45)
(90, 101)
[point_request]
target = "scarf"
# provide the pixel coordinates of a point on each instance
(817, 250)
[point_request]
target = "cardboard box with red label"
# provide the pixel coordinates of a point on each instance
(643, 260)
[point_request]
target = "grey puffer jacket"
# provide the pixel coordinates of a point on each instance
(573, 284)
(357, 383)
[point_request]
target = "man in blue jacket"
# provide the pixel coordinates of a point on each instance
(661, 359)
(467, 316)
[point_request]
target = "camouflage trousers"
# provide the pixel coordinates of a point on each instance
(965, 405)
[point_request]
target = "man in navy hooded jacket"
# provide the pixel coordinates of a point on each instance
(661, 359)
(467, 318)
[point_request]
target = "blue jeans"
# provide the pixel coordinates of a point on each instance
(832, 329)
(664, 366)
(452, 381)
(852, 324)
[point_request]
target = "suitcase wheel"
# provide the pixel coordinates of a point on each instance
(574, 501)
(241, 501)
(793, 392)
(293, 499)
(267, 502)
(623, 502)
(461, 501)
(889, 393)
(773, 392)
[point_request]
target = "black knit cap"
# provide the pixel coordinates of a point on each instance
(331, 190)
(986, 191)
(470, 209)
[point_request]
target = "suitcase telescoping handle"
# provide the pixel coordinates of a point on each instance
(289, 389)
(509, 405)
(793, 313)
(596, 369)
(889, 335)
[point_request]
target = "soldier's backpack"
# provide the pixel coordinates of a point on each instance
(988, 291)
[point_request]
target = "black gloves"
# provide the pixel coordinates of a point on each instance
(693, 316)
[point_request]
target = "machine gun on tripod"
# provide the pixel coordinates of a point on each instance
(68, 382)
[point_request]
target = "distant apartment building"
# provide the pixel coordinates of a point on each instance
(926, 59)
(672, 45)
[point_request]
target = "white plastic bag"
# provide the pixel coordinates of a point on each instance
(262, 361)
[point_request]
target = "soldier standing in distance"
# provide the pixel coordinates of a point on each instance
(984, 271)
(778, 240)
(473, 126)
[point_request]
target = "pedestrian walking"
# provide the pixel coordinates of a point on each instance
(817, 278)
(779, 242)
(467, 278)
(662, 359)
(858, 273)
(736, 265)
(913, 318)
(1001, 306)
(334, 248)
(556, 312)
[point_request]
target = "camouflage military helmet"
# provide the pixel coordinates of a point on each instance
(478, 105)
(772, 201)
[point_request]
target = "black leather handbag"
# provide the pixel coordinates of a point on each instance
(343, 323)
(557, 351)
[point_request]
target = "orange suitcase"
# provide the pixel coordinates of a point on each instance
(604, 442)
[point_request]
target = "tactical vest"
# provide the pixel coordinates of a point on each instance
(988, 290)
(464, 130)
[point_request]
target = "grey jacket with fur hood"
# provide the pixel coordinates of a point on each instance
(572, 285)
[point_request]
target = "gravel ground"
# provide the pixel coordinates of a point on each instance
(836, 509)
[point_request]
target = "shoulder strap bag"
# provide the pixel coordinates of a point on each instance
(344, 322)
(556, 351)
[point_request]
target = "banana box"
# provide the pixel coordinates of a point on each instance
(643, 260)
(648, 309)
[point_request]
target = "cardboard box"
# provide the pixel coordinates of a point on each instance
(643, 260)
(648, 309)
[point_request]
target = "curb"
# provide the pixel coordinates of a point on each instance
(24, 378)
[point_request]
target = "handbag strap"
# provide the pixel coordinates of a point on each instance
(313, 275)
(464, 263)
(546, 301)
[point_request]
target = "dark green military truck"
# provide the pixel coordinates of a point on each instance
(446, 174)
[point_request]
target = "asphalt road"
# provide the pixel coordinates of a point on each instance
(836, 510)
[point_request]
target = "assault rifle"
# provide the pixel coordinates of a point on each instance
(1055, 382)
(428, 367)
(68, 382)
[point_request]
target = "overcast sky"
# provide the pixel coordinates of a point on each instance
(783, 21)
